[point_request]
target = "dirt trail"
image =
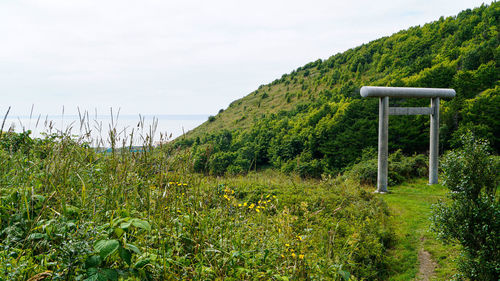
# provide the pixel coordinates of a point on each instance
(427, 266)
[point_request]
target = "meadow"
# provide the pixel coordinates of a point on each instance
(70, 212)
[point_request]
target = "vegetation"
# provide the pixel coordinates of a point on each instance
(471, 218)
(411, 206)
(72, 213)
(401, 168)
(313, 120)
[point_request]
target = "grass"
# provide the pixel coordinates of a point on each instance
(410, 205)
(72, 212)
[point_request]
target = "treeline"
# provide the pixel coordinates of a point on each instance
(324, 125)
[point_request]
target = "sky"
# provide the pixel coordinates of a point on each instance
(178, 57)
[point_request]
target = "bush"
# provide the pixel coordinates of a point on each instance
(211, 118)
(471, 217)
(400, 169)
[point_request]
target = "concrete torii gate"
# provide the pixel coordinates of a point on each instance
(383, 93)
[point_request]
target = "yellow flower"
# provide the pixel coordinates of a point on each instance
(251, 206)
(299, 237)
(293, 255)
(283, 256)
(287, 245)
(301, 257)
(244, 204)
(267, 196)
(239, 205)
(257, 210)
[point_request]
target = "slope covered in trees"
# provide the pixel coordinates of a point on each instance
(313, 120)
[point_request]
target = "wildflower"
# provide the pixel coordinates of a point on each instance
(251, 206)
(301, 256)
(257, 210)
(293, 255)
(287, 245)
(239, 205)
(267, 196)
(283, 256)
(244, 204)
(299, 238)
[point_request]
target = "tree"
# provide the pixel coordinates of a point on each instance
(472, 216)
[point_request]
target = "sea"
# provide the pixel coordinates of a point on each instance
(99, 130)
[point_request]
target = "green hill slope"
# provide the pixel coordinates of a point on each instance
(314, 121)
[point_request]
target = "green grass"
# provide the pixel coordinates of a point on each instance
(410, 204)
(75, 213)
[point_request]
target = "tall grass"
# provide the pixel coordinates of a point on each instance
(72, 209)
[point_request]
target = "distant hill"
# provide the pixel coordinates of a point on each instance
(314, 121)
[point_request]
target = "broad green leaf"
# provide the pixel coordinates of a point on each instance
(93, 261)
(141, 263)
(93, 277)
(111, 274)
(93, 274)
(106, 247)
(125, 255)
(119, 232)
(141, 224)
(126, 224)
(133, 248)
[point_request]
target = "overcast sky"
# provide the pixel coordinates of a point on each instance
(178, 57)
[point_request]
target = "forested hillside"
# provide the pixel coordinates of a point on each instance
(313, 120)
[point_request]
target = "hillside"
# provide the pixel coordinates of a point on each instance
(313, 120)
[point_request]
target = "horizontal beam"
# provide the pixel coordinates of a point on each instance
(411, 110)
(405, 92)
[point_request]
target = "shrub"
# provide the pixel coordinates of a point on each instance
(211, 118)
(400, 169)
(471, 217)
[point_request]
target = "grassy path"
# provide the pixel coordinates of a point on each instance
(410, 204)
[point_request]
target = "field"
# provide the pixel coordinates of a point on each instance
(70, 212)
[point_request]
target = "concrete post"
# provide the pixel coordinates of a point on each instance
(434, 142)
(383, 140)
